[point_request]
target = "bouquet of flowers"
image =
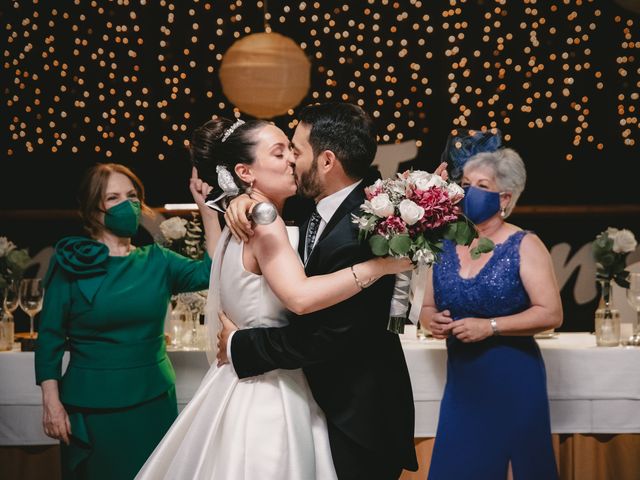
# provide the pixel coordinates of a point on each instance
(610, 250)
(183, 236)
(409, 216)
(13, 262)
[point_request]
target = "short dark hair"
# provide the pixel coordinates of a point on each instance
(345, 129)
(208, 150)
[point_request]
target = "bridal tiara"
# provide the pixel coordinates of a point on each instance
(230, 130)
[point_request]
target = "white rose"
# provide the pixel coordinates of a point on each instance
(624, 241)
(612, 232)
(410, 211)
(426, 182)
(419, 174)
(455, 191)
(6, 246)
(382, 206)
(174, 228)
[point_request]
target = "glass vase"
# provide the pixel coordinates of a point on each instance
(177, 326)
(7, 335)
(607, 318)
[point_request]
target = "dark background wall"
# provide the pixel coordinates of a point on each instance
(127, 81)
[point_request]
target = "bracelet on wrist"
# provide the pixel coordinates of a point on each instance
(494, 326)
(359, 283)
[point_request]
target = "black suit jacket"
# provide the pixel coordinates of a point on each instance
(356, 368)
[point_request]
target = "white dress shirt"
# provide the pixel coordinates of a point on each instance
(328, 206)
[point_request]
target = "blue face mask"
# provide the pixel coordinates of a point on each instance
(479, 205)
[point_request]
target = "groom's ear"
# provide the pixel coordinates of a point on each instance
(327, 161)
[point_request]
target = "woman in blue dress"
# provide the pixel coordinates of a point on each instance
(494, 416)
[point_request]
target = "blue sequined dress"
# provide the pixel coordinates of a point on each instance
(495, 407)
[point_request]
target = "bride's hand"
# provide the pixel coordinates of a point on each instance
(393, 265)
(370, 271)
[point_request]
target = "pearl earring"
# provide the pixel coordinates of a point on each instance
(503, 212)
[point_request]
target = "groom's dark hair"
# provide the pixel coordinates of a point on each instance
(345, 129)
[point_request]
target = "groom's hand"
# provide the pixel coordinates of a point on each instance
(237, 217)
(228, 327)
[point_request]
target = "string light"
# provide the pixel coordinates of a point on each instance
(91, 79)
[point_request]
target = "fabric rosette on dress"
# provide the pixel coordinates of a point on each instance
(409, 216)
(82, 258)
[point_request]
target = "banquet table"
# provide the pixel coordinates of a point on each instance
(592, 390)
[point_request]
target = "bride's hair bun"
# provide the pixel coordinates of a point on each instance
(212, 144)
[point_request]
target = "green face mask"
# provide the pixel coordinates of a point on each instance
(123, 219)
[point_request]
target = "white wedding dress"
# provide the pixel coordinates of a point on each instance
(267, 427)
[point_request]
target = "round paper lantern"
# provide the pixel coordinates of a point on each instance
(265, 74)
(631, 5)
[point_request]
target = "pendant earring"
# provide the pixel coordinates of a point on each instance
(503, 212)
(249, 189)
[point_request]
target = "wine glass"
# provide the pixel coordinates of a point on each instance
(10, 299)
(633, 297)
(30, 295)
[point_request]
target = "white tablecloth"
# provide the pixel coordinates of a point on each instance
(591, 389)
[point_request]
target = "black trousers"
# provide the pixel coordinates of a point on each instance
(353, 462)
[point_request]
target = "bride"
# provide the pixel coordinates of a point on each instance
(268, 426)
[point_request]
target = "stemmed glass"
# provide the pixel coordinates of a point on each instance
(31, 295)
(633, 297)
(10, 300)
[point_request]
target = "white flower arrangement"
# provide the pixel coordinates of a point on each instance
(183, 236)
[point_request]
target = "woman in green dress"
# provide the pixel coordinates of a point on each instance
(108, 300)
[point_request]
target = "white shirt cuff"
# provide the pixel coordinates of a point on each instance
(229, 348)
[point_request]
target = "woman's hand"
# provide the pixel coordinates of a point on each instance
(370, 271)
(392, 265)
(55, 419)
(442, 171)
(237, 217)
(469, 330)
(439, 325)
(199, 190)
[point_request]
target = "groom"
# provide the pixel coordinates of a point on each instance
(355, 367)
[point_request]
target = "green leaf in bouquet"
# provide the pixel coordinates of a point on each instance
(606, 259)
(450, 231)
(485, 245)
(464, 233)
(400, 244)
(379, 245)
(435, 246)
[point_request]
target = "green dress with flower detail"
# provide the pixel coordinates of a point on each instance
(119, 386)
